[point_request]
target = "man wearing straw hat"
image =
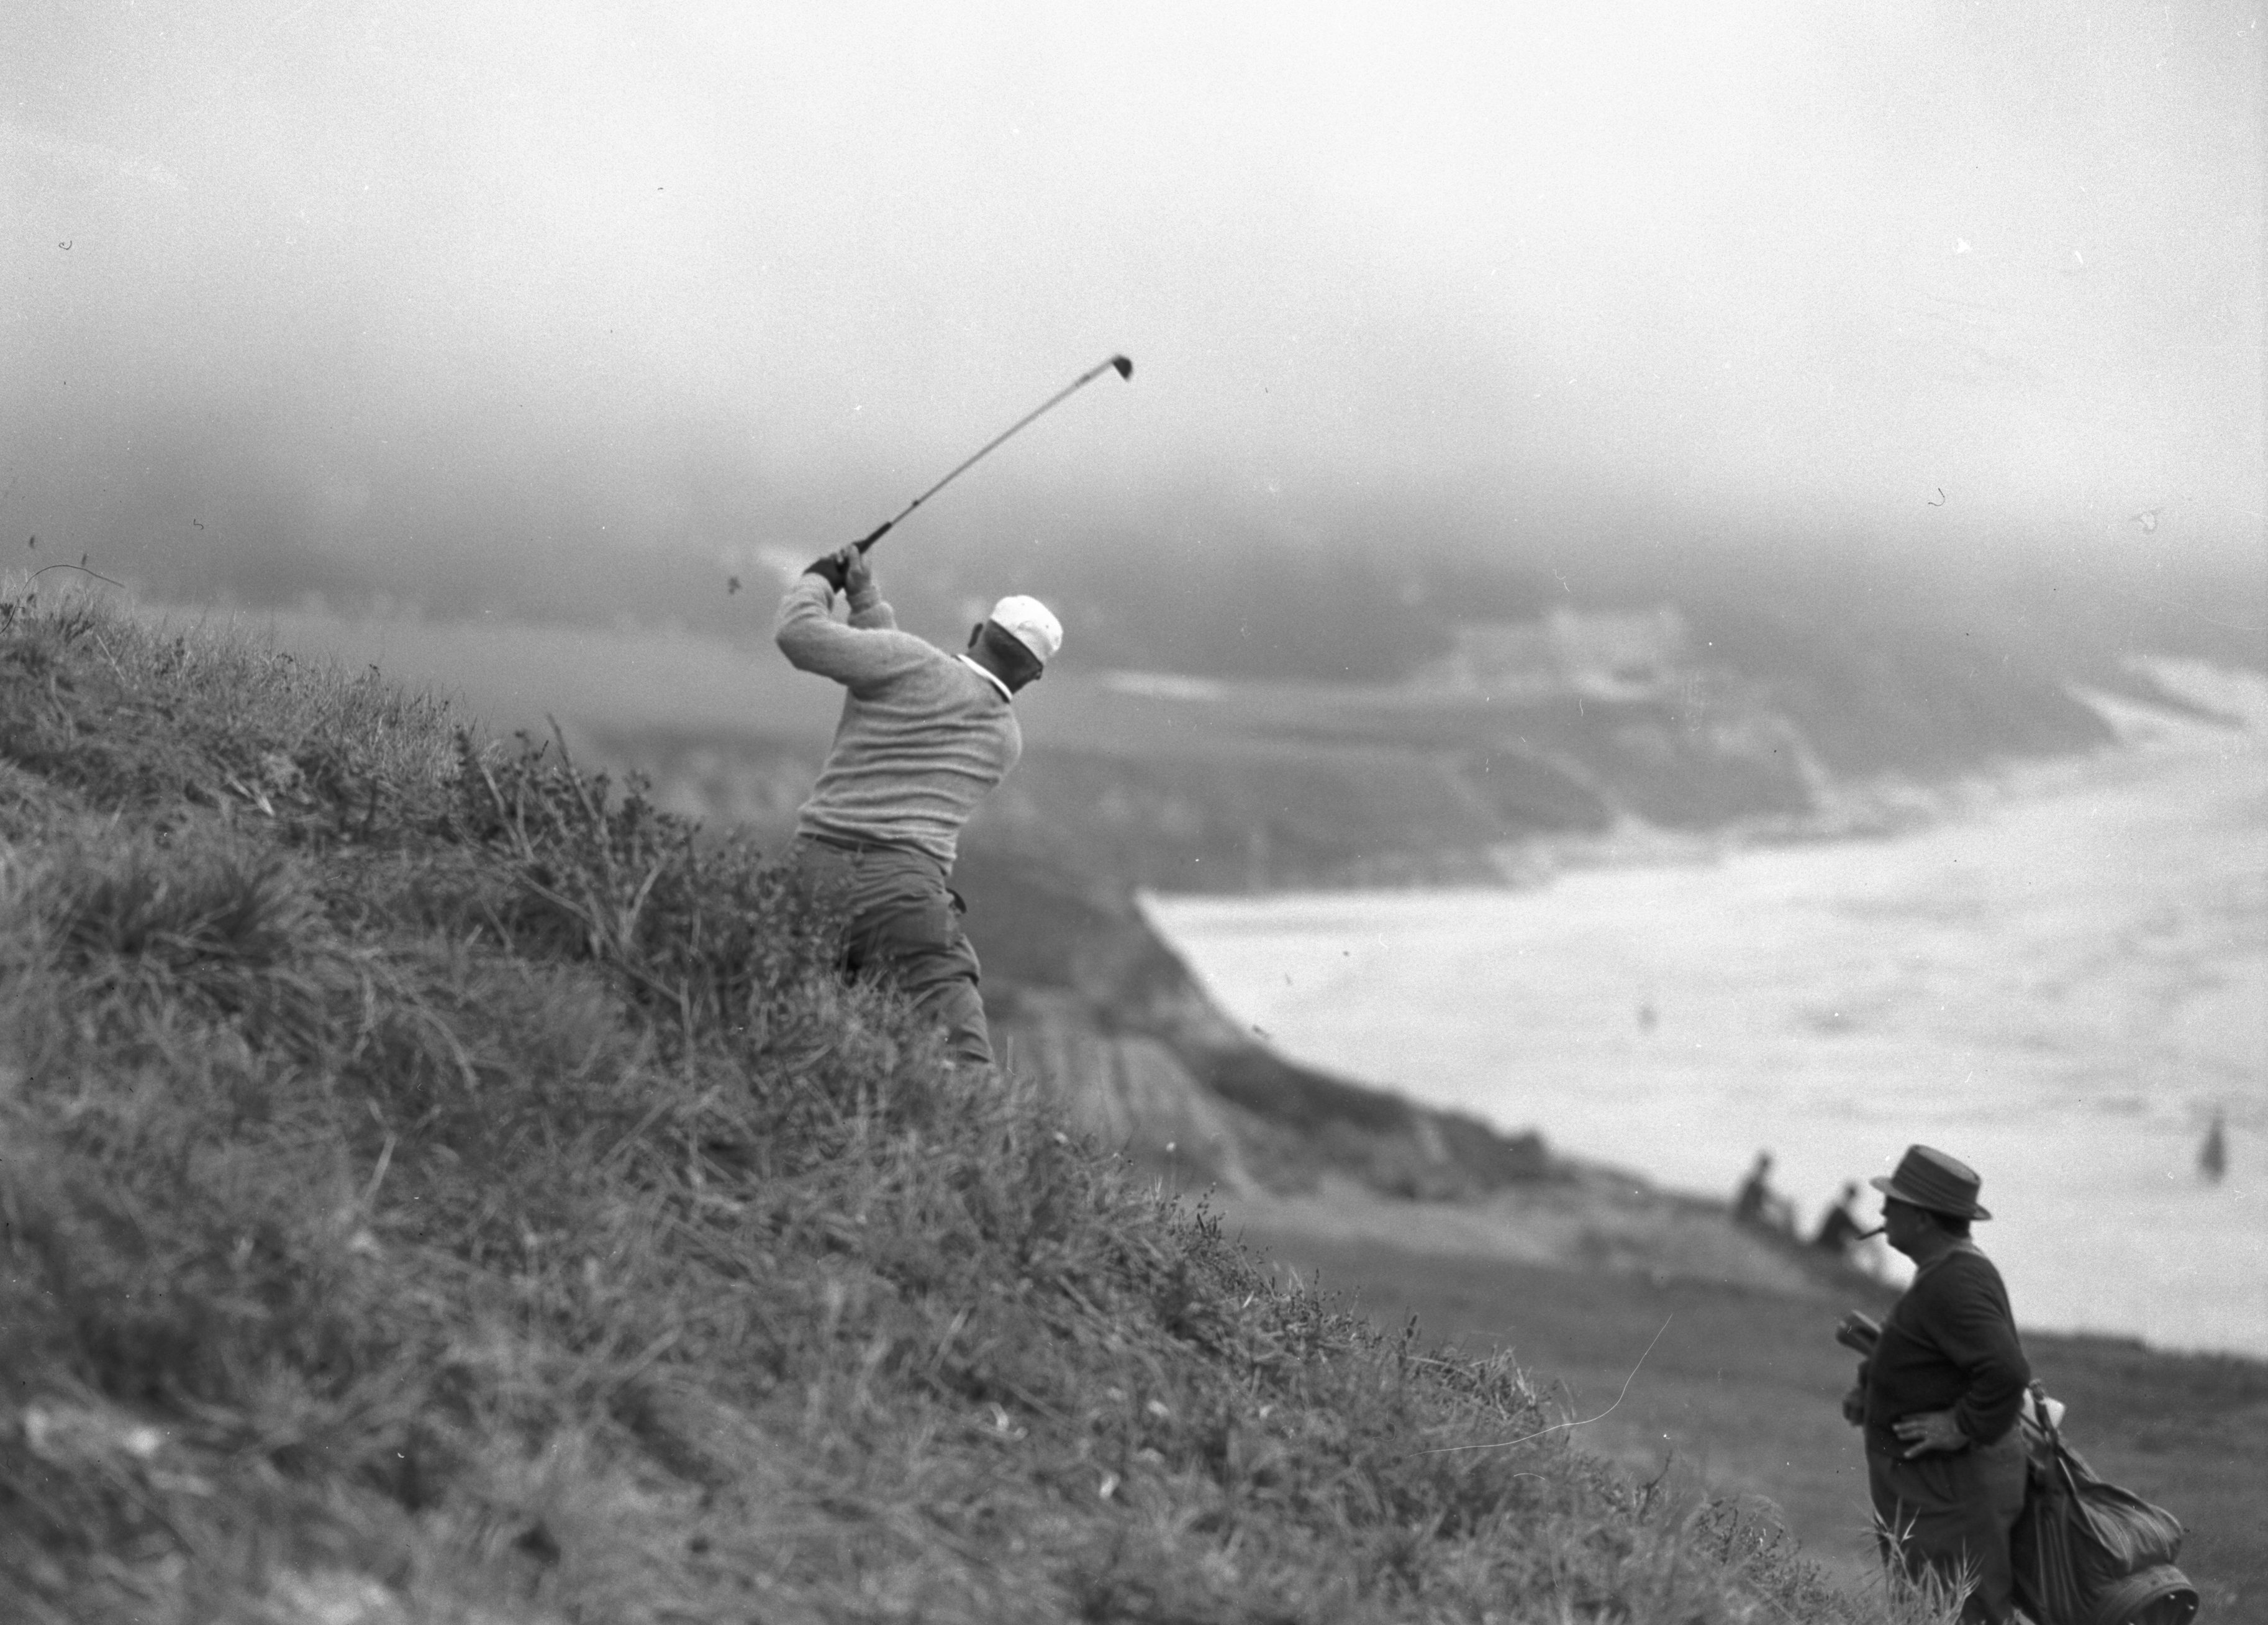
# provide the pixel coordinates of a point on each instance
(1945, 1459)
(925, 735)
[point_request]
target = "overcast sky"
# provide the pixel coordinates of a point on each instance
(375, 279)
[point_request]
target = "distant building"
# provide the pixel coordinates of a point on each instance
(1607, 655)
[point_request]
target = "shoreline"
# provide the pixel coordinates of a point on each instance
(1907, 1035)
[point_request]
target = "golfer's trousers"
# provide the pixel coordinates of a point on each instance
(901, 920)
(1951, 1512)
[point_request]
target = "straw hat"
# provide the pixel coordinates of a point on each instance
(1929, 1178)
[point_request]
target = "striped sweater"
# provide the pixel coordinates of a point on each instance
(923, 736)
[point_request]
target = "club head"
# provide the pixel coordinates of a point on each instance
(1125, 366)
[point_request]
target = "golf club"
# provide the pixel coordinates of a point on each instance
(1119, 364)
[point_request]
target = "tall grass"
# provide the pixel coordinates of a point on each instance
(436, 1186)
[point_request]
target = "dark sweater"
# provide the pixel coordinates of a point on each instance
(1949, 1345)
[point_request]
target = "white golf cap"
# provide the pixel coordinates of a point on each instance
(1031, 624)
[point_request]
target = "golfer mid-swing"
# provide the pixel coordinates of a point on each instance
(923, 736)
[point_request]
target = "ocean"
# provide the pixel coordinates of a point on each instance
(2062, 982)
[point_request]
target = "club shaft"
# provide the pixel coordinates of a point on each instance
(1060, 396)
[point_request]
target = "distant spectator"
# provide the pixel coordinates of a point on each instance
(2212, 1156)
(1839, 1232)
(1758, 1205)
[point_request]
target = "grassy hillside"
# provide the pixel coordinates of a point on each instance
(435, 1187)
(1744, 1382)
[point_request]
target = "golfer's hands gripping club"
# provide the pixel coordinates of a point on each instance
(845, 570)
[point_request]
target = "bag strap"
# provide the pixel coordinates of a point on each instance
(2045, 1416)
(2060, 1457)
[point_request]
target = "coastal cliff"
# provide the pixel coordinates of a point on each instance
(1085, 990)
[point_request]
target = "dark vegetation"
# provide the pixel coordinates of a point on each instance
(435, 1186)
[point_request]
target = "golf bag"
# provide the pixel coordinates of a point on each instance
(2087, 1553)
